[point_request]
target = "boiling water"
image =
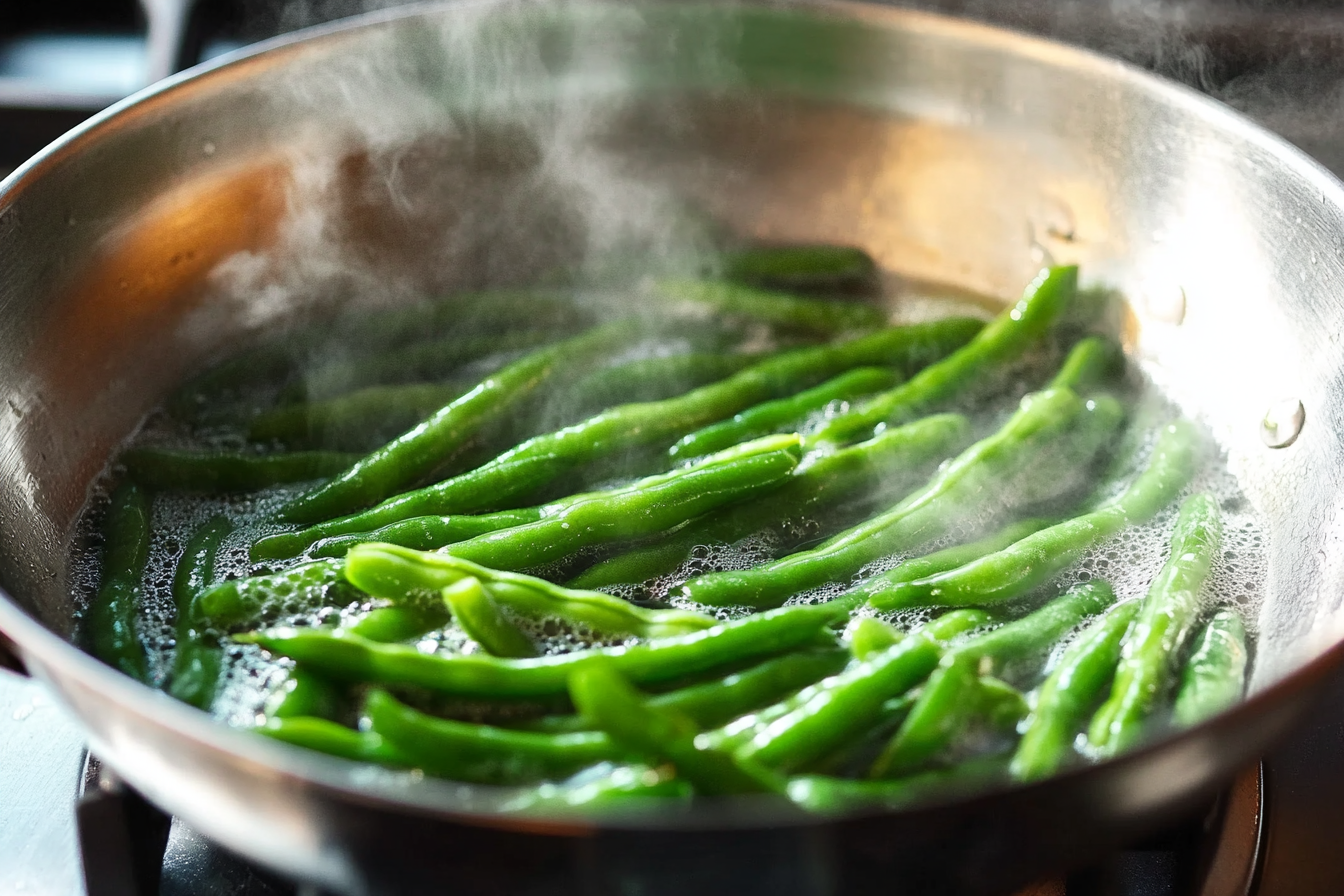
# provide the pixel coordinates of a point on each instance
(1129, 561)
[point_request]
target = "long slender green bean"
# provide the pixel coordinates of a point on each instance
(324, 736)
(877, 470)
(1007, 336)
(801, 268)
(400, 574)
(351, 658)
(718, 702)
(484, 622)
(1015, 570)
(225, 471)
(236, 602)
(771, 416)
(949, 701)
(1165, 621)
(111, 617)
(531, 537)
(1215, 675)
(465, 751)
(1009, 469)
(782, 311)
(541, 459)
(604, 697)
(1069, 693)
(198, 658)
(353, 421)
(828, 795)
(416, 453)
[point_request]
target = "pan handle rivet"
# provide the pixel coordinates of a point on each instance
(1283, 422)
(1165, 303)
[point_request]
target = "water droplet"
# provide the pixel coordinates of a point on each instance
(1282, 423)
(1165, 302)
(1040, 255)
(23, 712)
(208, 148)
(1055, 219)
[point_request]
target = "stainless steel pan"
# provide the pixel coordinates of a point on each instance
(448, 146)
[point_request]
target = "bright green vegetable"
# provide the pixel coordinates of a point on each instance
(110, 621)
(611, 704)
(718, 702)
(605, 787)
(827, 795)
(237, 602)
(1215, 675)
(357, 421)
(484, 622)
(653, 379)
(988, 479)
(415, 454)
(1165, 621)
(400, 574)
(351, 658)
(1069, 693)
(831, 712)
(771, 416)
(938, 562)
(780, 310)
(539, 460)
(1027, 564)
(198, 659)
(464, 751)
(335, 740)
(801, 268)
(213, 472)
(873, 470)
(1090, 364)
(1006, 337)
(953, 695)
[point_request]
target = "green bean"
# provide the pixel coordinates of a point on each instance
(820, 718)
(1031, 562)
(1071, 690)
(419, 361)
(197, 662)
(608, 700)
(604, 787)
(938, 562)
(399, 574)
(1090, 364)
(802, 268)
(351, 658)
(539, 460)
(771, 416)
(335, 740)
(951, 698)
(236, 602)
(534, 536)
(223, 471)
(993, 476)
(484, 622)
(868, 635)
(645, 508)
(1215, 674)
(827, 795)
(416, 453)
(353, 421)
(1165, 621)
(654, 379)
(485, 754)
(718, 702)
(111, 616)
(780, 310)
(306, 693)
(876, 469)
(1006, 337)
(423, 533)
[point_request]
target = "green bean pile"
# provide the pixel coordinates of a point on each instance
(741, 536)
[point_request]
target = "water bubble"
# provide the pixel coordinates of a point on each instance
(1283, 422)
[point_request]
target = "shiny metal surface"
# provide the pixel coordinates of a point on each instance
(450, 146)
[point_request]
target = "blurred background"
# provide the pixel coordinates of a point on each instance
(1280, 61)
